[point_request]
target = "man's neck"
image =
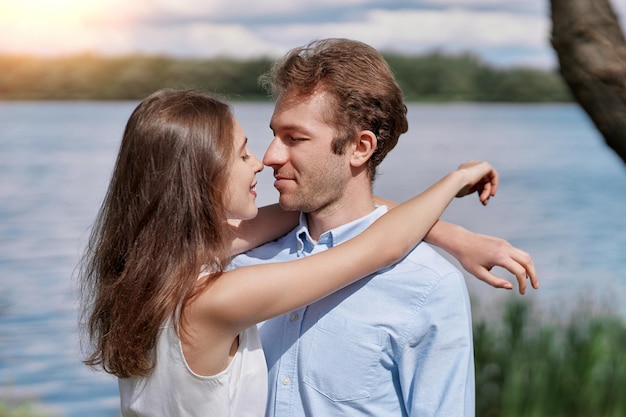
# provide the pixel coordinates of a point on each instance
(352, 206)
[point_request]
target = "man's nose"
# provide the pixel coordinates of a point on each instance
(276, 153)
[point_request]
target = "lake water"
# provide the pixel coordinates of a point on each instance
(562, 198)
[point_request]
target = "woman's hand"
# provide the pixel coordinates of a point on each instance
(478, 254)
(479, 177)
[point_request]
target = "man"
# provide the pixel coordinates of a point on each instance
(400, 341)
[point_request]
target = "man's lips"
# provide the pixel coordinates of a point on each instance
(280, 180)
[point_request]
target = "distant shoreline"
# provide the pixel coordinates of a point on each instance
(430, 78)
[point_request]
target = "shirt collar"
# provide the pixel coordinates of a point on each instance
(334, 236)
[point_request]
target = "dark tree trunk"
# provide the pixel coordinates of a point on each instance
(591, 49)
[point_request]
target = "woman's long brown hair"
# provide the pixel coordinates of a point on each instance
(162, 220)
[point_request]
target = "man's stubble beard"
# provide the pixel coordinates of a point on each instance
(317, 196)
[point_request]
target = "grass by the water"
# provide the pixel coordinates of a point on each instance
(538, 364)
(21, 410)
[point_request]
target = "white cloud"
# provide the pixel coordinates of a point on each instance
(421, 30)
(505, 31)
(208, 40)
(461, 27)
(519, 5)
(238, 10)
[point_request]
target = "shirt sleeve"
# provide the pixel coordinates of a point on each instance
(436, 364)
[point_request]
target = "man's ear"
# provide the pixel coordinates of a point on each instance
(363, 148)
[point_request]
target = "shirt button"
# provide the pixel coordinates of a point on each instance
(293, 317)
(286, 380)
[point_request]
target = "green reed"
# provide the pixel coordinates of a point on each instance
(21, 410)
(535, 364)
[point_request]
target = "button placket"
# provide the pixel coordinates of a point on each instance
(288, 373)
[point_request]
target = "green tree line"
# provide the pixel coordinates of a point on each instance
(431, 77)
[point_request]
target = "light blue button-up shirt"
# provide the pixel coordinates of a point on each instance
(396, 343)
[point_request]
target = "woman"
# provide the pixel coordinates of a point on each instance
(164, 313)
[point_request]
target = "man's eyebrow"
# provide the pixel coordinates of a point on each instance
(292, 128)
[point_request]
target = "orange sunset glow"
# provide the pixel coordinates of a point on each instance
(56, 26)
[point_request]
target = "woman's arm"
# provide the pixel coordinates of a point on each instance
(270, 223)
(249, 295)
(478, 254)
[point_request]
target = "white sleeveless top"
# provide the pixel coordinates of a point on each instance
(174, 390)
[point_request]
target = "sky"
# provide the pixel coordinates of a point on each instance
(503, 33)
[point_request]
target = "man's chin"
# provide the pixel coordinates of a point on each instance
(289, 204)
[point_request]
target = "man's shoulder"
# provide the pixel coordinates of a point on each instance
(421, 272)
(424, 277)
(425, 257)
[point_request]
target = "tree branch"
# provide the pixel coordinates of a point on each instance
(591, 49)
